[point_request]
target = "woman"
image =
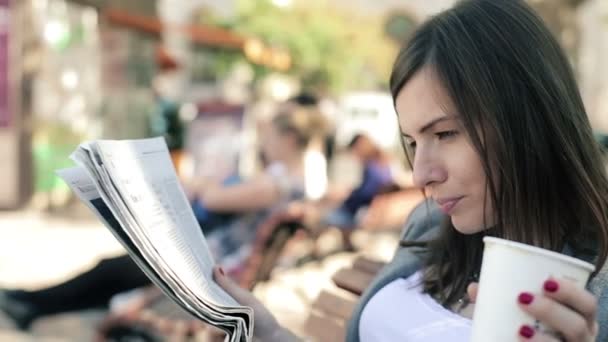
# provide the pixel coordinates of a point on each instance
(284, 143)
(499, 140)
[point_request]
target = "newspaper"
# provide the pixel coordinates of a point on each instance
(133, 189)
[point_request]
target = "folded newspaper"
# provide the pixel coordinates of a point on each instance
(132, 187)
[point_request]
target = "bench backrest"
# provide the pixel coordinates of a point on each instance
(332, 309)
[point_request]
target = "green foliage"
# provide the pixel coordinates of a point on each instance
(52, 144)
(331, 49)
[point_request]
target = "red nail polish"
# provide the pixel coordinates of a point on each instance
(525, 298)
(551, 286)
(526, 331)
(221, 270)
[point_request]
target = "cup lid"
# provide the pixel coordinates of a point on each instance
(528, 248)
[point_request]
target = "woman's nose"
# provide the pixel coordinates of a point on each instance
(427, 170)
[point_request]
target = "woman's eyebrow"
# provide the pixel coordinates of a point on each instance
(431, 123)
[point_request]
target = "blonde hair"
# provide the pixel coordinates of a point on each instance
(304, 123)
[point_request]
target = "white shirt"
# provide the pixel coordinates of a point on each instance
(401, 312)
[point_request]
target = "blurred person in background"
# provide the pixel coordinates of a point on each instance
(309, 100)
(376, 178)
(284, 143)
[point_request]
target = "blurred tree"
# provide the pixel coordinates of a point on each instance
(398, 26)
(331, 49)
(334, 49)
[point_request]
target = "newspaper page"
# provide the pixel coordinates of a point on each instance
(132, 187)
(84, 188)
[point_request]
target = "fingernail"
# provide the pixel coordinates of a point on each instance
(526, 331)
(221, 270)
(551, 286)
(525, 298)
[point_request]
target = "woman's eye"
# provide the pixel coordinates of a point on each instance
(446, 134)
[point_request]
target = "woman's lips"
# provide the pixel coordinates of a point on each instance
(447, 204)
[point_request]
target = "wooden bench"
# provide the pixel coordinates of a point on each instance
(271, 238)
(331, 311)
(327, 321)
(387, 211)
(356, 278)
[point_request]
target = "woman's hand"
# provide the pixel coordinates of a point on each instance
(562, 307)
(266, 326)
(135, 313)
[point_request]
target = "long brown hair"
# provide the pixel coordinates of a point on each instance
(518, 100)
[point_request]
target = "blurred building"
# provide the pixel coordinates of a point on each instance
(15, 165)
(82, 69)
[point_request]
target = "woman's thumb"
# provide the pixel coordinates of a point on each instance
(266, 324)
(220, 277)
(472, 291)
(233, 289)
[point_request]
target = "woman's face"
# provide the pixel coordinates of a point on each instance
(445, 163)
(276, 144)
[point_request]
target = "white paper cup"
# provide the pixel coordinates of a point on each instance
(508, 269)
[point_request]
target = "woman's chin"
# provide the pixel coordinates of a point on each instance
(466, 228)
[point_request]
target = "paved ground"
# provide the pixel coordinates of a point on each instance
(39, 249)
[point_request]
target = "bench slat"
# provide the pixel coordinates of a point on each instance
(352, 280)
(331, 311)
(334, 305)
(324, 329)
(368, 265)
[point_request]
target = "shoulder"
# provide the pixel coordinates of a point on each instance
(424, 219)
(422, 224)
(599, 287)
(599, 284)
